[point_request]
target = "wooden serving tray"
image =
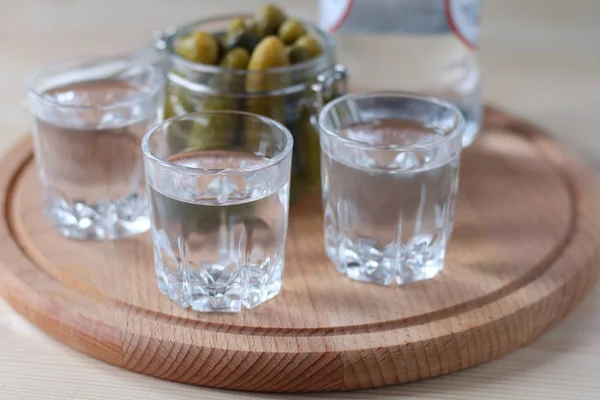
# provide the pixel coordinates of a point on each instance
(523, 253)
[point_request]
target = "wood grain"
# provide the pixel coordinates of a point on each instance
(522, 255)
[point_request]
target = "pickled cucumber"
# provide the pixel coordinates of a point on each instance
(298, 55)
(199, 47)
(186, 47)
(177, 102)
(236, 25)
(240, 38)
(268, 20)
(212, 133)
(216, 131)
(236, 58)
(270, 53)
(291, 30)
(310, 44)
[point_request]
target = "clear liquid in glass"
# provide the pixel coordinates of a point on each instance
(389, 213)
(90, 162)
(219, 238)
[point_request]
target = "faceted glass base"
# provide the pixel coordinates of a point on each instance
(104, 220)
(365, 262)
(219, 288)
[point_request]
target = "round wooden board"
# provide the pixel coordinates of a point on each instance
(523, 253)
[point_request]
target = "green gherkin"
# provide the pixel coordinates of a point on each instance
(290, 31)
(236, 58)
(270, 53)
(199, 47)
(311, 44)
(240, 38)
(268, 20)
(236, 24)
(298, 55)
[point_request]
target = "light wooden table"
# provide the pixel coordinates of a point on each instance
(541, 61)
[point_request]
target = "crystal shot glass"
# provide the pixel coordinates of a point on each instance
(89, 119)
(390, 177)
(218, 183)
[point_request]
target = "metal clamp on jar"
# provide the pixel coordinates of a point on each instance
(283, 93)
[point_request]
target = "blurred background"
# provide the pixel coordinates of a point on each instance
(539, 57)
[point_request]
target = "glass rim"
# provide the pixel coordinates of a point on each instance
(278, 158)
(326, 40)
(156, 82)
(450, 134)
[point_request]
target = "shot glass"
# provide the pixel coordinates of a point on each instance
(218, 183)
(390, 177)
(89, 119)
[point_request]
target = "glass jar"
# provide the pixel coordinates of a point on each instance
(285, 94)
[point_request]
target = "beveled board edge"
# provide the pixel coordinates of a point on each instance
(338, 362)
